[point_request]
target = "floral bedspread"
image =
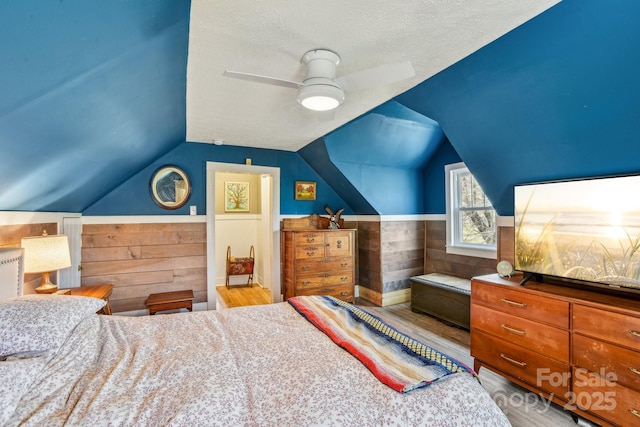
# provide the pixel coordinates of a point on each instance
(248, 366)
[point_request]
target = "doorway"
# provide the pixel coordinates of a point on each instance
(268, 226)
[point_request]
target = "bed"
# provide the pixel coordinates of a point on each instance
(252, 366)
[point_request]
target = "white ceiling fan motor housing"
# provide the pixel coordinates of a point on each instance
(319, 92)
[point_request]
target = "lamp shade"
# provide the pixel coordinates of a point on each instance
(46, 253)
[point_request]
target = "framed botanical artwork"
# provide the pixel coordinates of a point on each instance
(305, 190)
(236, 196)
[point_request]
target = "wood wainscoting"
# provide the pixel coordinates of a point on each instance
(389, 252)
(141, 259)
(437, 260)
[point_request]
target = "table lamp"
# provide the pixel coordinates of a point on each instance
(44, 254)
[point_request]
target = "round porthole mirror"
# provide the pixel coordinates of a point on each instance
(170, 187)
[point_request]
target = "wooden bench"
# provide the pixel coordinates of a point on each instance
(442, 296)
(170, 301)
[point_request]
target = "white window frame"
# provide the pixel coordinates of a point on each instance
(452, 218)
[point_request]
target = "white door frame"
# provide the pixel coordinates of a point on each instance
(212, 168)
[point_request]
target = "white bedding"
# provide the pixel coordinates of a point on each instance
(248, 366)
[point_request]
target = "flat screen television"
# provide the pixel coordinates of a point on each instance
(580, 232)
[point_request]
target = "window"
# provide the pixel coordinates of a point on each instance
(471, 220)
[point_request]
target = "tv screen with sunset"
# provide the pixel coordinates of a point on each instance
(587, 230)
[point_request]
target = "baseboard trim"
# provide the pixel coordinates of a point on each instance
(386, 299)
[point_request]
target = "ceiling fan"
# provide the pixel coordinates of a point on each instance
(321, 90)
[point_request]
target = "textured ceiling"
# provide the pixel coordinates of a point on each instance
(269, 38)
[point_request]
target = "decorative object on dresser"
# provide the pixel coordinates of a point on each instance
(443, 296)
(578, 348)
(317, 261)
(334, 218)
(102, 291)
(44, 254)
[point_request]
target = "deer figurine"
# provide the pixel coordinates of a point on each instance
(334, 218)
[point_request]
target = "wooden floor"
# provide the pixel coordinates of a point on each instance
(522, 407)
(236, 296)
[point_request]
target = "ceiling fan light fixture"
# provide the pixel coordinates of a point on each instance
(320, 97)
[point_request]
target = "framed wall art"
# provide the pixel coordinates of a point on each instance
(169, 187)
(236, 196)
(305, 190)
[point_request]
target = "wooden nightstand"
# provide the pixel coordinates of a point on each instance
(102, 291)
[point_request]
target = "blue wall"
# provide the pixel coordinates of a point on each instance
(434, 179)
(376, 161)
(558, 97)
(91, 91)
(132, 197)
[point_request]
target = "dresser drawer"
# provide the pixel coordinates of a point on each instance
(528, 366)
(306, 237)
(611, 401)
(323, 279)
(338, 243)
(310, 251)
(605, 358)
(548, 340)
(614, 327)
(344, 292)
(312, 265)
(534, 307)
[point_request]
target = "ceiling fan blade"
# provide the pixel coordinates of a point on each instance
(262, 79)
(378, 76)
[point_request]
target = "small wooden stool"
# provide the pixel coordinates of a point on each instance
(170, 301)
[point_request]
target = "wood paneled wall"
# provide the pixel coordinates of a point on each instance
(369, 256)
(402, 250)
(389, 253)
(437, 260)
(141, 259)
(10, 237)
(506, 244)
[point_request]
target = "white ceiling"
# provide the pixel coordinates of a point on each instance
(270, 37)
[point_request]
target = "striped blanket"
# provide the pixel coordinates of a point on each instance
(397, 360)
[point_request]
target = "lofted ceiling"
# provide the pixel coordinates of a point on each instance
(269, 38)
(92, 92)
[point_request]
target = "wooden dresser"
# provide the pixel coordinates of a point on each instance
(319, 262)
(578, 348)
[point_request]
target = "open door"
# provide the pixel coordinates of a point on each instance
(269, 228)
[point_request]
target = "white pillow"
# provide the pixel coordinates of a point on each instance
(41, 322)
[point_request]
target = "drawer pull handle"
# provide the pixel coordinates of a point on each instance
(344, 264)
(514, 330)
(311, 253)
(310, 240)
(343, 278)
(344, 293)
(634, 370)
(517, 304)
(515, 362)
(635, 333)
(635, 412)
(306, 267)
(305, 282)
